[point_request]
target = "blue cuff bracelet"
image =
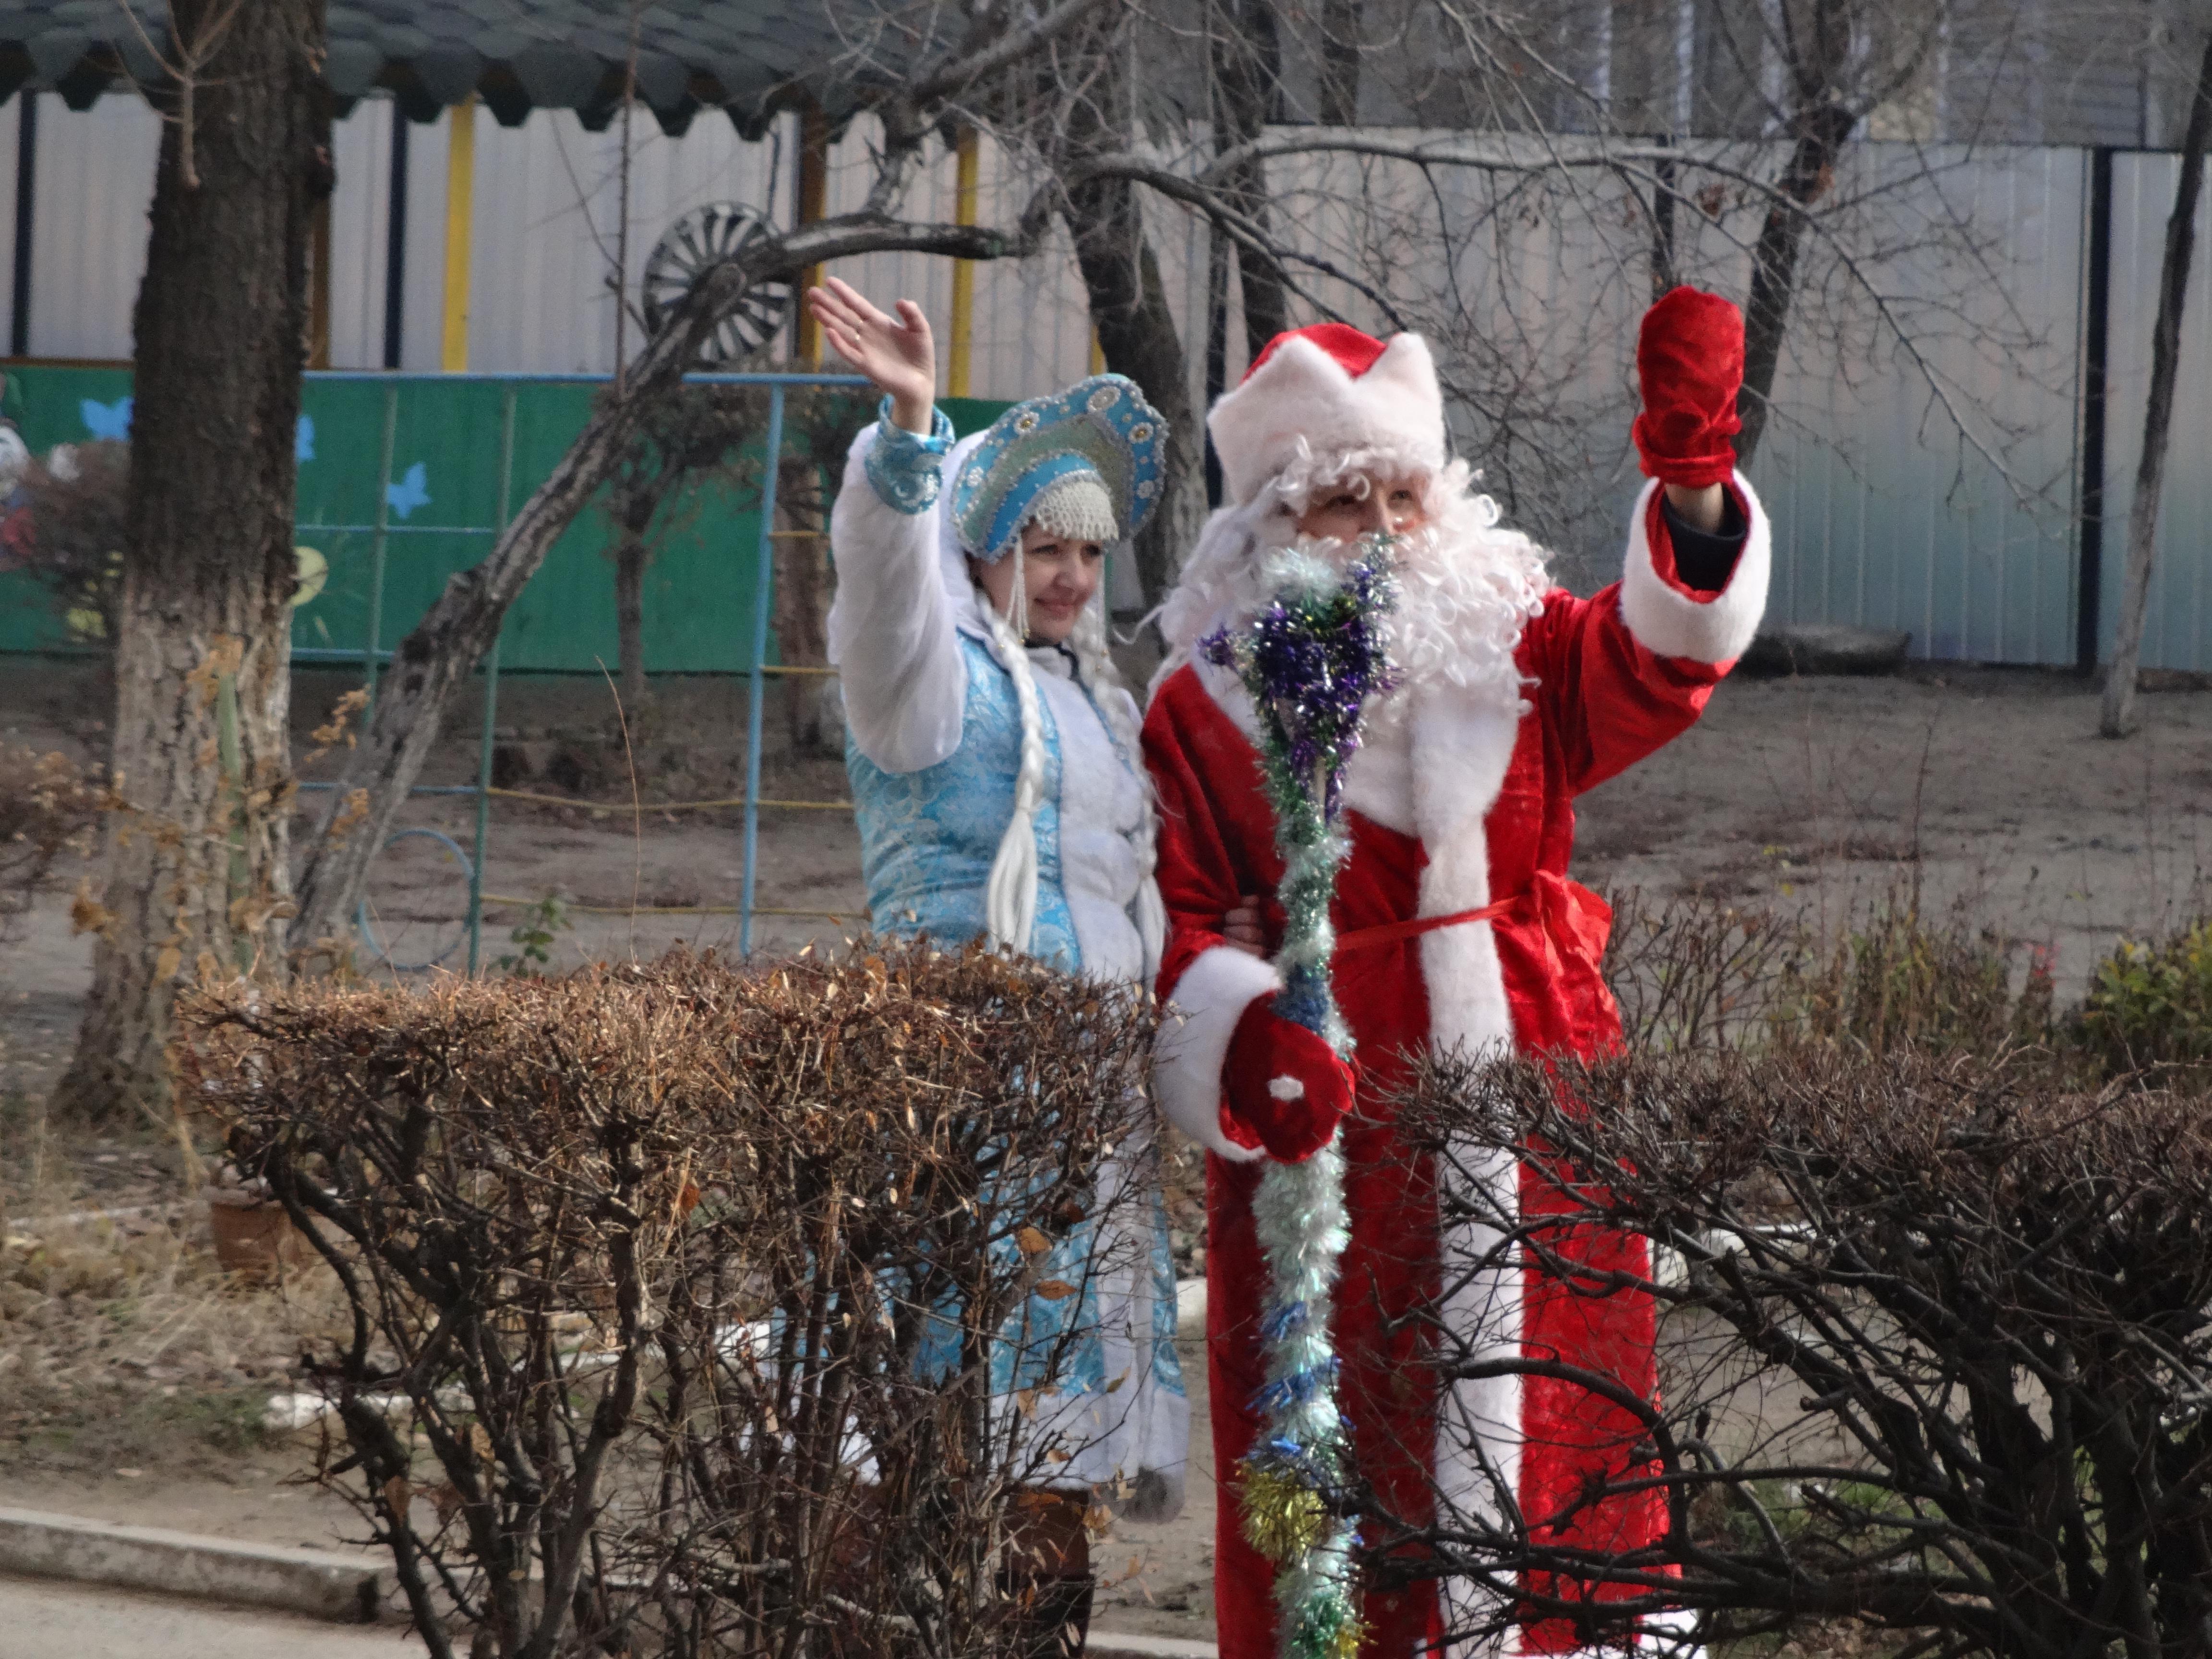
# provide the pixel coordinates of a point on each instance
(906, 468)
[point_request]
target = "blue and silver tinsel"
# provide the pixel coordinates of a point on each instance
(1312, 659)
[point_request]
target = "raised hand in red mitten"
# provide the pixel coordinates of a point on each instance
(1286, 1089)
(1689, 363)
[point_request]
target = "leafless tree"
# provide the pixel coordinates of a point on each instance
(688, 439)
(2119, 715)
(1121, 123)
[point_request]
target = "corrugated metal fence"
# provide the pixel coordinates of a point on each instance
(1923, 460)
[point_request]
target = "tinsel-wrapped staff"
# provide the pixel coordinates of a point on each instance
(1312, 661)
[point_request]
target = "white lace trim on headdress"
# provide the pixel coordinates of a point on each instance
(1078, 508)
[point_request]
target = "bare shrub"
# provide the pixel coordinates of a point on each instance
(1939, 1359)
(693, 1283)
(1690, 973)
(47, 806)
(1905, 979)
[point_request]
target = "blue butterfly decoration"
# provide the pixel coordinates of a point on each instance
(410, 492)
(108, 420)
(303, 439)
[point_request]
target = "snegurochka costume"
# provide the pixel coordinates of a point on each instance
(1000, 793)
(1455, 922)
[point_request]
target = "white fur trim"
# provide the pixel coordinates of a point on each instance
(1285, 1088)
(1192, 1046)
(1300, 404)
(1463, 741)
(1672, 624)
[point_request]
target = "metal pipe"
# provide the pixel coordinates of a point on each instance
(813, 203)
(417, 789)
(369, 657)
(404, 529)
(963, 270)
(559, 378)
(491, 701)
(460, 221)
(764, 577)
(27, 177)
(395, 242)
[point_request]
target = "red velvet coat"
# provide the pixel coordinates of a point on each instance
(1484, 812)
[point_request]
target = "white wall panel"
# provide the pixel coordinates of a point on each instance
(547, 228)
(11, 128)
(423, 286)
(1930, 488)
(93, 181)
(361, 151)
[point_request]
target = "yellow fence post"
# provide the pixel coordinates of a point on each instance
(963, 270)
(813, 203)
(460, 193)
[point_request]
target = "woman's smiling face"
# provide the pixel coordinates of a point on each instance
(1060, 575)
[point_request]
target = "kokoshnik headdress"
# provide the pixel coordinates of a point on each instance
(1085, 464)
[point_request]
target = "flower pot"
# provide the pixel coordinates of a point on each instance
(252, 1236)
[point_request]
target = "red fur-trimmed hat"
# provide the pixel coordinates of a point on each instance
(1335, 394)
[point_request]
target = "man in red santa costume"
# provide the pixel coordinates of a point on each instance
(1456, 925)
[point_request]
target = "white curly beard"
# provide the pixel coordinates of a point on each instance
(1467, 589)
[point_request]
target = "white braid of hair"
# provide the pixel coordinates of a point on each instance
(1010, 898)
(1096, 663)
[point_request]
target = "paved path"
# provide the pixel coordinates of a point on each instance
(48, 1618)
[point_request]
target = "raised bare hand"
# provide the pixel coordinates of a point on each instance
(895, 352)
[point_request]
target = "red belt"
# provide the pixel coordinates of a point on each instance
(1390, 933)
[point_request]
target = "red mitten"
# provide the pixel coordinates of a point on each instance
(1286, 1089)
(1689, 362)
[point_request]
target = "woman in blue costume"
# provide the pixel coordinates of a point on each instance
(1000, 793)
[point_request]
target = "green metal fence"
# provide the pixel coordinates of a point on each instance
(405, 479)
(401, 491)
(422, 460)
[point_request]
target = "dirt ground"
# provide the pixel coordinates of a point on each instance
(1987, 787)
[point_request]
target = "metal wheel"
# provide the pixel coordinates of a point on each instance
(700, 240)
(413, 913)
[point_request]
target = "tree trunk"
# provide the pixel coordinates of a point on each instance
(1137, 336)
(2118, 717)
(632, 554)
(1811, 170)
(197, 877)
(1136, 327)
(1664, 265)
(802, 610)
(1339, 68)
(1820, 120)
(1247, 70)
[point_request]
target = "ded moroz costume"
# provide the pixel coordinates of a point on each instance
(1457, 926)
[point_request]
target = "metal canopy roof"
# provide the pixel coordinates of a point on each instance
(747, 57)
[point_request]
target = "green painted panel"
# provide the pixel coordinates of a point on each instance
(444, 498)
